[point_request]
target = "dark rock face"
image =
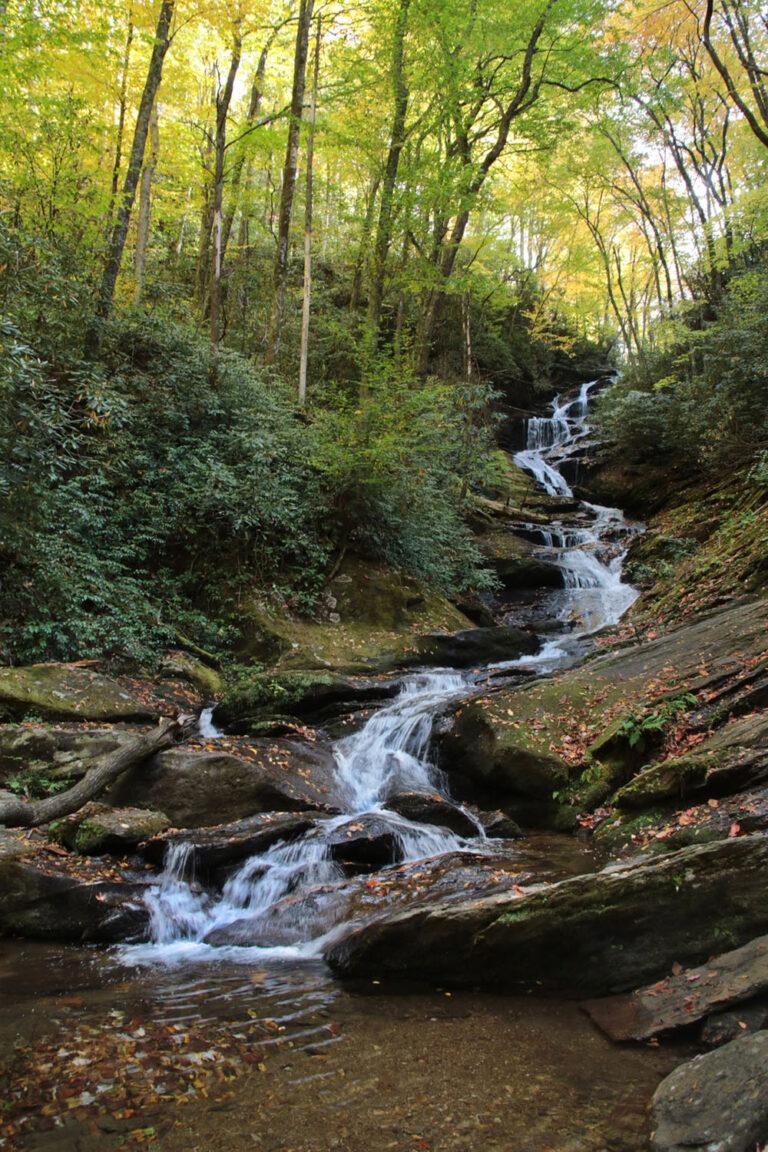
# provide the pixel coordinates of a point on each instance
(46, 904)
(97, 828)
(474, 646)
(66, 691)
(717, 1102)
(200, 789)
(432, 808)
(227, 844)
(722, 1027)
(367, 842)
(681, 1000)
(592, 934)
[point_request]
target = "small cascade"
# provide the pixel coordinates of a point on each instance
(206, 727)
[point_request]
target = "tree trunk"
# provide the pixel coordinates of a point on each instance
(122, 107)
(365, 236)
(396, 143)
(223, 101)
(239, 166)
(289, 179)
(17, 813)
(130, 184)
(145, 204)
(307, 301)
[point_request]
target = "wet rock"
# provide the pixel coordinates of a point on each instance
(200, 789)
(365, 842)
(39, 754)
(680, 1000)
(183, 666)
(735, 757)
(589, 935)
(499, 826)
(65, 691)
(432, 808)
(97, 829)
(267, 696)
(364, 898)
(227, 844)
(39, 901)
(474, 646)
(515, 563)
(717, 1102)
(722, 1027)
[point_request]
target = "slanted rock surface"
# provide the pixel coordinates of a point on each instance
(717, 1102)
(268, 696)
(590, 935)
(225, 844)
(432, 808)
(67, 691)
(474, 646)
(682, 999)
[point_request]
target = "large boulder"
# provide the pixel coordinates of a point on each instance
(97, 828)
(183, 666)
(199, 789)
(487, 759)
(474, 646)
(67, 691)
(366, 842)
(717, 1102)
(262, 698)
(515, 562)
(42, 900)
(589, 935)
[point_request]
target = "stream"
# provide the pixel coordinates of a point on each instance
(363, 1068)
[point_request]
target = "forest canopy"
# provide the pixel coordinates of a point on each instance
(273, 273)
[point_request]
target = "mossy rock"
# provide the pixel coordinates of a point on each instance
(268, 696)
(368, 623)
(97, 829)
(183, 666)
(67, 691)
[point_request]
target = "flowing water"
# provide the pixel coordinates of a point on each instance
(390, 753)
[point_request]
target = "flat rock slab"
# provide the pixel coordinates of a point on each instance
(687, 997)
(96, 828)
(589, 935)
(229, 843)
(717, 1102)
(66, 691)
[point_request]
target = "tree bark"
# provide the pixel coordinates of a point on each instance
(145, 204)
(223, 101)
(290, 169)
(307, 301)
(122, 107)
(386, 206)
(130, 184)
(17, 813)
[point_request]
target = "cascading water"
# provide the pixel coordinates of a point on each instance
(285, 896)
(590, 557)
(388, 754)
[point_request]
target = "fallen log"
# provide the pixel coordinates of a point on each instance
(16, 812)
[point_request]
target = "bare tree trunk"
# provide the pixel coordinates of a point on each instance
(396, 143)
(223, 101)
(16, 813)
(365, 236)
(120, 231)
(145, 204)
(290, 169)
(307, 301)
(122, 106)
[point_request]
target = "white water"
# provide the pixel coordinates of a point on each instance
(591, 557)
(284, 897)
